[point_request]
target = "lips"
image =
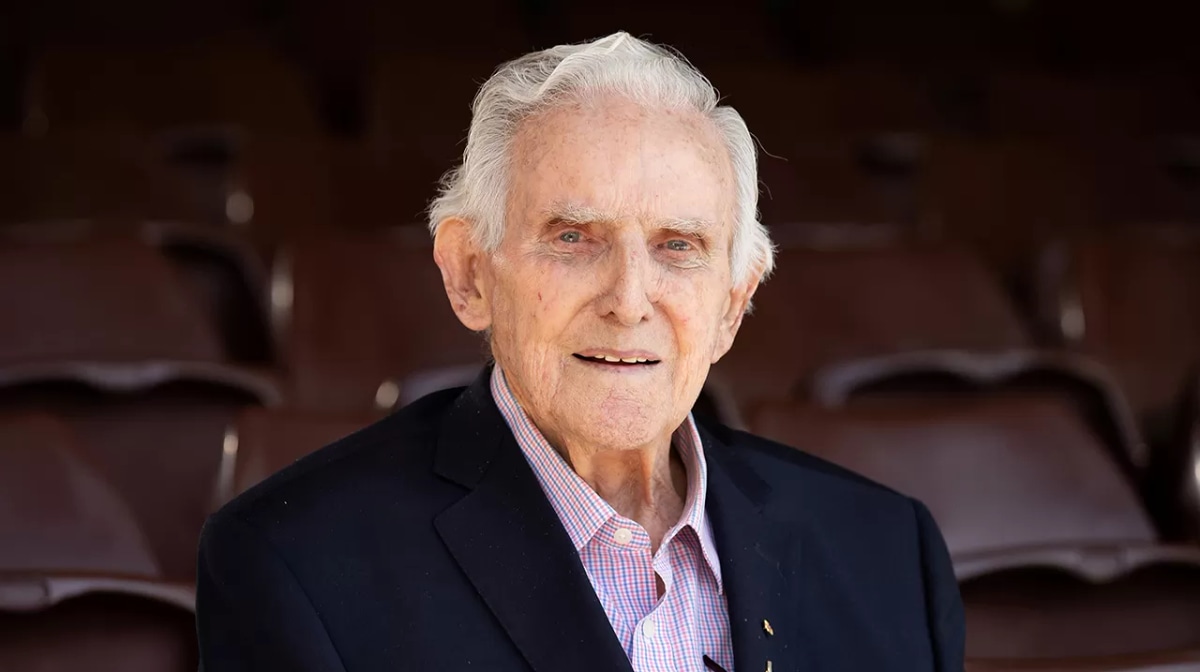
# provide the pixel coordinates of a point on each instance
(618, 358)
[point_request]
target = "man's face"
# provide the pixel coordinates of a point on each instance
(611, 295)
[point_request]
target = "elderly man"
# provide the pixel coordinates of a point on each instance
(565, 512)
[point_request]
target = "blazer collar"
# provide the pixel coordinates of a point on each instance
(759, 560)
(511, 545)
(508, 540)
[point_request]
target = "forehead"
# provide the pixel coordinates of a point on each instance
(615, 156)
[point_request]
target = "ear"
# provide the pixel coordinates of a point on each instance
(460, 259)
(731, 321)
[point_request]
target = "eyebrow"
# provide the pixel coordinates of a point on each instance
(576, 213)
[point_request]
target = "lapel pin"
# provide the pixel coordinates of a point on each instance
(767, 628)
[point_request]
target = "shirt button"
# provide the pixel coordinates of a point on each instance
(623, 536)
(649, 629)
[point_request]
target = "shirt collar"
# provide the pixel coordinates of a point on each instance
(582, 511)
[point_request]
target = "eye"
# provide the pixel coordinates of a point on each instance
(677, 245)
(570, 237)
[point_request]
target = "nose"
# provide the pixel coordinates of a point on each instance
(628, 299)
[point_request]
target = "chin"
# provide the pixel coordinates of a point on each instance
(624, 426)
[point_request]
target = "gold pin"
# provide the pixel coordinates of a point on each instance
(768, 666)
(767, 627)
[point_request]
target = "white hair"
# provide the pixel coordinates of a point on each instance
(648, 74)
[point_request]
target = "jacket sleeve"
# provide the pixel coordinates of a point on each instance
(251, 612)
(943, 604)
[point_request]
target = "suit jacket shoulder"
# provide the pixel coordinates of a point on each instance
(396, 448)
(425, 539)
(864, 551)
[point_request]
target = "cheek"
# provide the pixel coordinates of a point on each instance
(538, 305)
(695, 317)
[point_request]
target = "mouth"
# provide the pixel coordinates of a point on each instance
(617, 359)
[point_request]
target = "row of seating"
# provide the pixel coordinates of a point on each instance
(1050, 544)
(1031, 461)
(360, 324)
(335, 304)
(1004, 197)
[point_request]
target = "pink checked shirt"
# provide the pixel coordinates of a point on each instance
(690, 620)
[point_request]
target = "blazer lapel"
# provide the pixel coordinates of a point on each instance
(512, 546)
(759, 565)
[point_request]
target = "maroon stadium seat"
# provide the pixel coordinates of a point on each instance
(102, 334)
(79, 587)
(1055, 555)
(951, 373)
(1019, 471)
(1131, 300)
(825, 306)
(97, 300)
(1169, 661)
(153, 430)
(357, 314)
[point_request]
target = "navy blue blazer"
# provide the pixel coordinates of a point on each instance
(424, 542)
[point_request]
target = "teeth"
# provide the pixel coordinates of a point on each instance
(626, 360)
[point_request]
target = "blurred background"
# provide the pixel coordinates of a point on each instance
(213, 261)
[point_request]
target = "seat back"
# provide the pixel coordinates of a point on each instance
(951, 373)
(1048, 614)
(825, 306)
(1131, 301)
(154, 433)
(56, 513)
(100, 632)
(99, 300)
(365, 310)
(997, 471)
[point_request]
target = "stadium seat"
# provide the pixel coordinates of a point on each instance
(1056, 556)
(1145, 608)
(1166, 661)
(221, 275)
(109, 300)
(950, 373)
(824, 306)
(103, 334)
(999, 472)
(358, 314)
(79, 586)
(1130, 299)
(152, 429)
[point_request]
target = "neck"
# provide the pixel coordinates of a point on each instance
(647, 485)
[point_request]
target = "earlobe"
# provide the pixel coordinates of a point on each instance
(731, 321)
(457, 256)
